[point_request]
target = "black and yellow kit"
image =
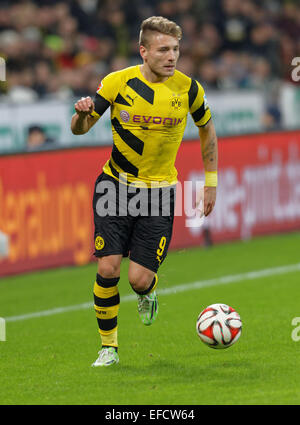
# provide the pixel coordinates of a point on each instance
(142, 233)
(148, 122)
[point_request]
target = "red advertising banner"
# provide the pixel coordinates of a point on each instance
(46, 207)
(258, 187)
(46, 198)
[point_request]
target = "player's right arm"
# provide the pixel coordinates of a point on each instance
(88, 111)
(82, 120)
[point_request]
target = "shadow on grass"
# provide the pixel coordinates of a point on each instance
(162, 370)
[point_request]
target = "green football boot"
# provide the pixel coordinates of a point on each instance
(148, 308)
(107, 357)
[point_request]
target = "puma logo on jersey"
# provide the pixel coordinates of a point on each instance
(130, 98)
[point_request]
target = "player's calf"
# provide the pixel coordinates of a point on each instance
(106, 304)
(148, 302)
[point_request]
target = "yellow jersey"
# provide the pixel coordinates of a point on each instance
(148, 122)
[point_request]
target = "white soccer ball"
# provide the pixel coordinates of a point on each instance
(219, 326)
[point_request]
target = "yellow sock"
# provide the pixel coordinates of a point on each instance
(106, 304)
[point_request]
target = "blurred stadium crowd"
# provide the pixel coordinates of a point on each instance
(62, 49)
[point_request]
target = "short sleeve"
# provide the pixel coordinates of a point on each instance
(198, 105)
(106, 93)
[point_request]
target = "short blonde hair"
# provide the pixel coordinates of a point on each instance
(159, 24)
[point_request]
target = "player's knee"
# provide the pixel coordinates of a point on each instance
(108, 269)
(140, 282)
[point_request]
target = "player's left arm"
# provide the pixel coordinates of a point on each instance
(209, 149)
(199, 109)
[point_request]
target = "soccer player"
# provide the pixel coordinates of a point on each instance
(149, 105)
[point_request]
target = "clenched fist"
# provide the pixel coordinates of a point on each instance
(84, 106)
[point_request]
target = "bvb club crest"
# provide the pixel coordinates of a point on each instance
(176, 101)
(99, 243)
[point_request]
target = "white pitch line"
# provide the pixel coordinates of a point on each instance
(224, 280)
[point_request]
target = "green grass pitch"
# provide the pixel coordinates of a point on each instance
(47, 359)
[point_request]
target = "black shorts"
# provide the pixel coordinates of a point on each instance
(134, 222)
